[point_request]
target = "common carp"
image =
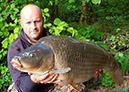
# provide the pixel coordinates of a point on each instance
(76, 61)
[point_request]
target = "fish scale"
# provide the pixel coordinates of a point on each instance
(83, 58)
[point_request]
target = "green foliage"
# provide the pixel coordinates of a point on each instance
(5, 77)
(106, 79)
(96, 1)
(112, 13)
(88, 33)
(9, 21)
(45, 13)
(123, 59)
(61, 28)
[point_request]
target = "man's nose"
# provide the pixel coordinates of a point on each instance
(33, 25)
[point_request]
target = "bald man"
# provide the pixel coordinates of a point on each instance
(32, 30)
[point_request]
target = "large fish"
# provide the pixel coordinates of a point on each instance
(76, 61)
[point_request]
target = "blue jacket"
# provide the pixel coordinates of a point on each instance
(22, 80)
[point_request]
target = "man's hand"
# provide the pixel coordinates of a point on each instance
(46, 78)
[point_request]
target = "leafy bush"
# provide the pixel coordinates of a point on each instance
(62, 28)
(5, 77)
(112, 13)
(8, 22)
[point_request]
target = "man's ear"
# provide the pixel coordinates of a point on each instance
(21, 22)
(22, 25)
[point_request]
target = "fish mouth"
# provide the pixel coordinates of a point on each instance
(16, 63)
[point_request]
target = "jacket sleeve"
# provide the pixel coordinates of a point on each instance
(22, 80)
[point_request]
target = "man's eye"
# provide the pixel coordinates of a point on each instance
(28, 22)
(37, 21)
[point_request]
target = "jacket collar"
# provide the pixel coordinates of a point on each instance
(26, 39)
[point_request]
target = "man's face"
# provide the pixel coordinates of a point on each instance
(32, 23)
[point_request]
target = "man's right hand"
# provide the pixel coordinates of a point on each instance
(46, 78)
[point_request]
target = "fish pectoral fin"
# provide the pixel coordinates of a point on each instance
(64, 70)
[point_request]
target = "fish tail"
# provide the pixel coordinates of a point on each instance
(117, 76)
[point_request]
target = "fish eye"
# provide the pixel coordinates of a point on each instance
(32, 55)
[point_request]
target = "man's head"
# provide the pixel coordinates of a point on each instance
(32, 22)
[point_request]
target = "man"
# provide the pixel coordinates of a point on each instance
(32, 24)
